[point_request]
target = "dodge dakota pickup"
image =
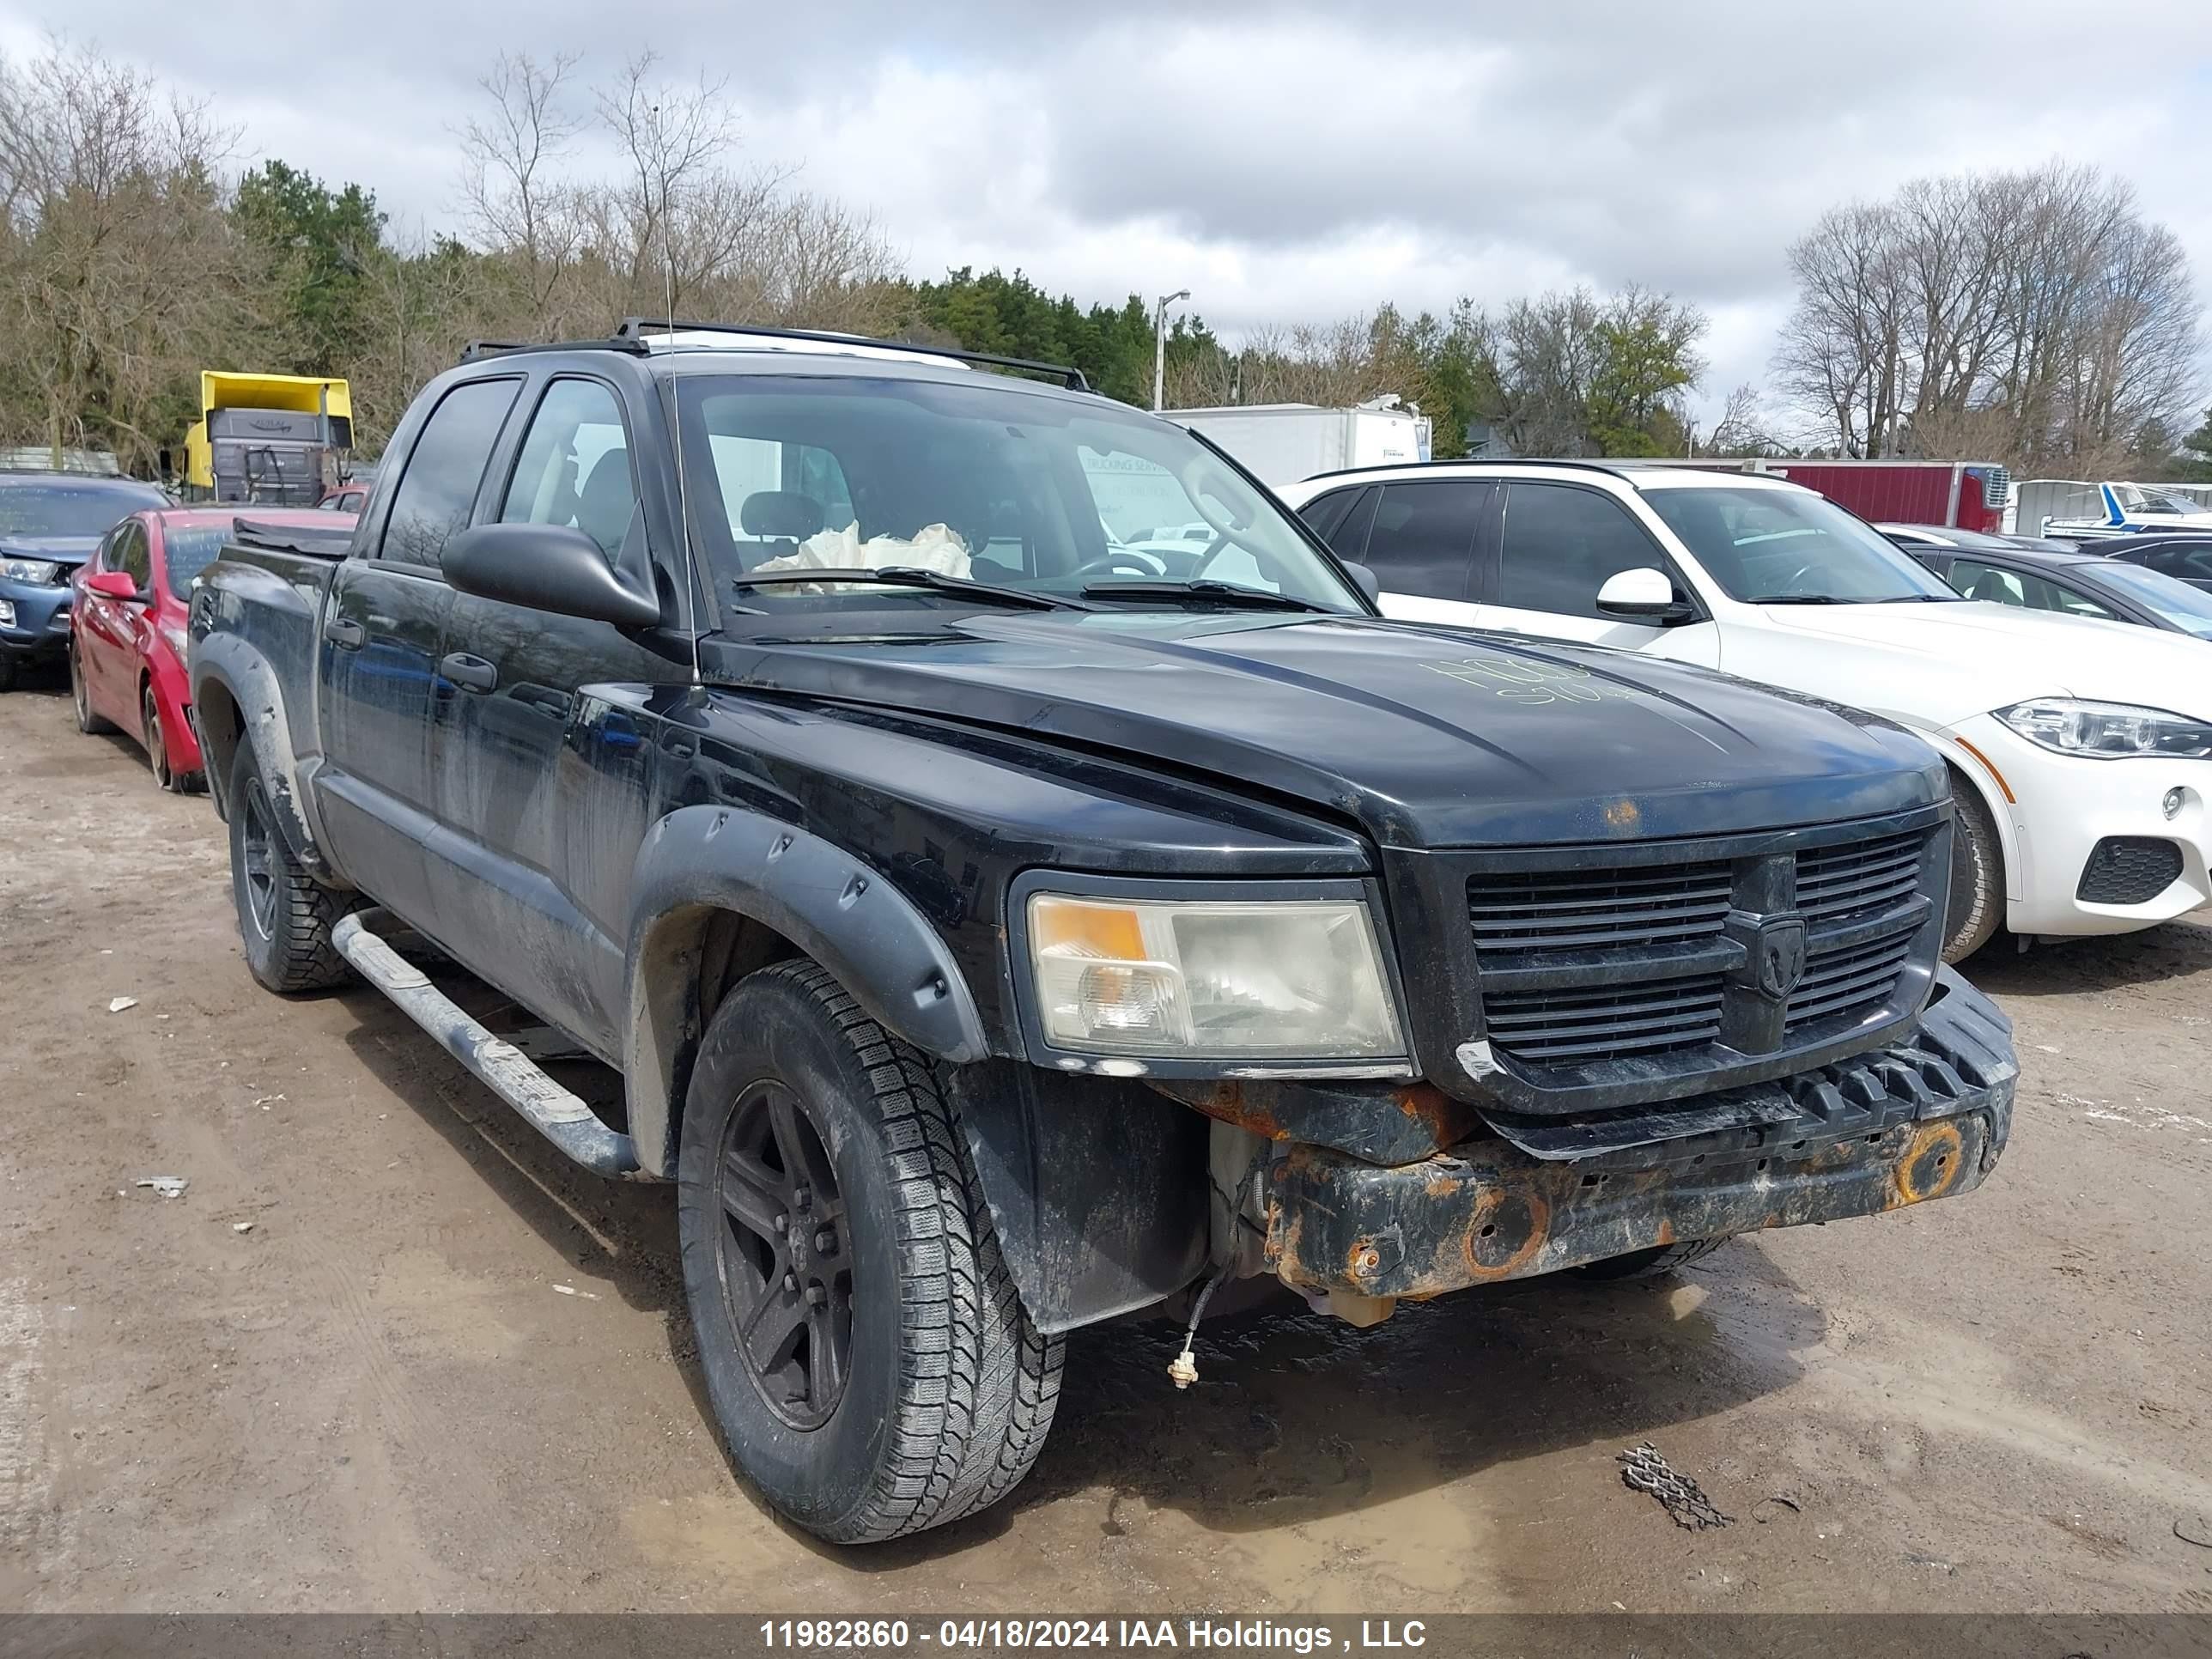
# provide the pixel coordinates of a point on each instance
(1000, 926)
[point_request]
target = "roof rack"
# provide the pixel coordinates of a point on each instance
(634, 329)
(478, 349)
(1616, 471)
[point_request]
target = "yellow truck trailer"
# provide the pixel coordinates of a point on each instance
(278, 440)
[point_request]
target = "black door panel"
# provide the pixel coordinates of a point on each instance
(379, 703)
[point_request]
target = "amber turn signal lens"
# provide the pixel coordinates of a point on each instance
(1080, 926)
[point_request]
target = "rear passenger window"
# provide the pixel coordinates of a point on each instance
(575, 466)
(1561, 544)
(438, 491)
(1423, 539)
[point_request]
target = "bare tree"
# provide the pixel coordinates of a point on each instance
(2031, 318)
(515, 200)
(119, 266)
(1745, 427)
(672, 139)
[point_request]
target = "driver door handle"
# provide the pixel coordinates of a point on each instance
(474, 672)
(346, 635)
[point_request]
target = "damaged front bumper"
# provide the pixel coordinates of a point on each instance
(1923, 1119)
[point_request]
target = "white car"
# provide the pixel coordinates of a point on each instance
(2080, 752)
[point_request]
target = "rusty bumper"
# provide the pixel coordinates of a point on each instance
(1924, 1119)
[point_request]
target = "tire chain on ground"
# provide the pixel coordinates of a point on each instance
(1643, 1469)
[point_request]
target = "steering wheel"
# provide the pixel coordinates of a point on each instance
(1123, 561)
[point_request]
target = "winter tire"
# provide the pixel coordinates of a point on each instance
(866, 1355)
(284, 917)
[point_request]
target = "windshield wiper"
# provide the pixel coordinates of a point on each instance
(1922, 598)
(1206, 589)
(1798, 599)
(907, 576)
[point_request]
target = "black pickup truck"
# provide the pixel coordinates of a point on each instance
(1003, 920)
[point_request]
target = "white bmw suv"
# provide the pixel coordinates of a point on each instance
(2080, 752)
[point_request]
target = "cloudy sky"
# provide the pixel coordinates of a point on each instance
(1284, 161)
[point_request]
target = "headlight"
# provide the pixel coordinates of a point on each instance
(37, 571)
(1281, 979)
(2107, 731)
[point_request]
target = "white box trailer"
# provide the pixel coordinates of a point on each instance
(1284, 442)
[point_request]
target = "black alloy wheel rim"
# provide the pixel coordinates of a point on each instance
(783, 1254)
(257, 854)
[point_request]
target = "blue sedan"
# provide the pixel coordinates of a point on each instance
(50, 523)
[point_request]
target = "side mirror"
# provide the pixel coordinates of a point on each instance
(1644, 596)
(1364, 580)
(545, 567)
(112, 585)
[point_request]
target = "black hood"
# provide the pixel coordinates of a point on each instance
(1426, 738)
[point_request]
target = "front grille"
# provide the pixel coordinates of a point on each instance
(1570, 909)
(1834, 882)
(2128, 870)
(1841, 984)
(1598, 970)
(1577, 1027)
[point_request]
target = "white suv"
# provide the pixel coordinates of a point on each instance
(2080, 752)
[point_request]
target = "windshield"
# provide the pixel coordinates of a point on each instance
(2159, 503)
(189, 549)
(1766, 546)
(58, 510)
(2187, 608)
(986, 482)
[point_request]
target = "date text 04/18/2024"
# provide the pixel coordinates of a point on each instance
(955, 1635)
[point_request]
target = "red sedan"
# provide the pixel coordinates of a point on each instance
(126, 649)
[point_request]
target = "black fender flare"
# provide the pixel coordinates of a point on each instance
(249, 684)
(827, 903)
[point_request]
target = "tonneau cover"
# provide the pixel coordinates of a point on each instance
(311, 540)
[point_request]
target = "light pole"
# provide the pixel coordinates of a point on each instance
(1160, 345)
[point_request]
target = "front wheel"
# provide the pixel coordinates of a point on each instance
(869, 1362)
(1978, 895)
(284, 916)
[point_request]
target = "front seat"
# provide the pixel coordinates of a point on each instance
(606, 503)
(1996, 587)
(780, 519)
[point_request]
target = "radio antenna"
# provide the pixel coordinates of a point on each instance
(692, 589)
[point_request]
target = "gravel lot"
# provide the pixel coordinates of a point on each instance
(441, 1371)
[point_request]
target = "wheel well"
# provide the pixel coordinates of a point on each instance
(1964, 782)
(690, 959)
(221, 727)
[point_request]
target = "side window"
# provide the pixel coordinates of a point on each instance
(1350, 542)
(2193, 564)
(575, 466)
(1423, 539)
(132, 556)
(438, 491)
(1324, 512)
(1978, 580)
(1985, 582)
(1341, 518)
(1561, 543)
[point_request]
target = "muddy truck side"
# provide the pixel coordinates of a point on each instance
(1000, 928)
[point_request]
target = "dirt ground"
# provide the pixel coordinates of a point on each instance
(441, 1371)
